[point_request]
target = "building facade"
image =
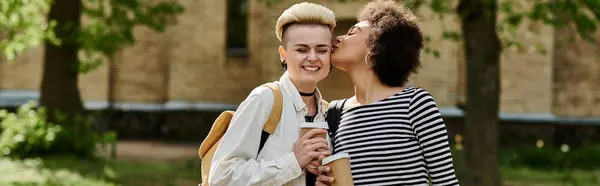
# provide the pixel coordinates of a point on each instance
(193, 65)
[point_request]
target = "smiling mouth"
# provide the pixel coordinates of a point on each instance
(311, 69)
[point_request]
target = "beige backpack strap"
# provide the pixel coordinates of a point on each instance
(275, 115)
(325, 104)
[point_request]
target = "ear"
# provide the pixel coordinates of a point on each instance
(282, 53)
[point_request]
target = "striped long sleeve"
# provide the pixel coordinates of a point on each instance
(432, 135)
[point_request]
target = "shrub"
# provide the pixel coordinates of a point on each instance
(27, 133)
(550, 157)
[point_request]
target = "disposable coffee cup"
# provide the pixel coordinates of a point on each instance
(340, 169)
(305, 127)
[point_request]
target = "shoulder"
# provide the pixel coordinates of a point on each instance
(261, 91)
(419, 94)
(262, 94)
(421, 100)
(333, 103)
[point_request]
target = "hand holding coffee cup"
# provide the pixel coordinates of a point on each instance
(323, 177)
(305, 148)
(308, 126)
(337, 167)
(315, 164)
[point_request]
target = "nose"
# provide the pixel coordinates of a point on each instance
(338, 40)
(312, 56)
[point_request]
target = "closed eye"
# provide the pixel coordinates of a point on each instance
(350, 31)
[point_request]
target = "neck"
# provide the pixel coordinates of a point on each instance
(306, 88)
(368, 88)
(310, 104)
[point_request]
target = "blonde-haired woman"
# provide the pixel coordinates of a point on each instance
(306, 33)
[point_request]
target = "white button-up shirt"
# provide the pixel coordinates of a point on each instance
(235, 162)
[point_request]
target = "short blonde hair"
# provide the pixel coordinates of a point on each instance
(305, 12)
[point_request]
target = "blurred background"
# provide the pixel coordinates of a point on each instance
(149, 78)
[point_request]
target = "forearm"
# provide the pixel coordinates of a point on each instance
(247, 172)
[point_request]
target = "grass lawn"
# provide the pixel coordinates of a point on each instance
(54, 171)
(529, 177)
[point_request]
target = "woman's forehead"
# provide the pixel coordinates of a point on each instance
(309, 35)
(362, 24)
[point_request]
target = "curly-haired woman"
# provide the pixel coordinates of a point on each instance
(394, 134)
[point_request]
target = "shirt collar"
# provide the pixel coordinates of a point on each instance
(295, 96)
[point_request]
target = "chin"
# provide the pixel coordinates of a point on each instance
(311, 79)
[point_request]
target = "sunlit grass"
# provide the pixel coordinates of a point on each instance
(517, 174)
(524, 176)
(56, 171)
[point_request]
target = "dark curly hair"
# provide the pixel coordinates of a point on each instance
(395, 41)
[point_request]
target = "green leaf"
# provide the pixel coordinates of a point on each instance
(593, 6)
(506, 7)
(24, 25)
(586, 26)
(414, 4)
(451, 35)
(541, 12)
(427, 39)
(515, 19)
(440, 6)
(436, 54)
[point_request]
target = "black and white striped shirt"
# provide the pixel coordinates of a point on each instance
(400, 140)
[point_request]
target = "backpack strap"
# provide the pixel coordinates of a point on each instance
(274, 116)
(330, 116)
(325, 103)
(334, 114)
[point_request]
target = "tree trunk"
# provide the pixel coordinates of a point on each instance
(59, 91)
(482, 50)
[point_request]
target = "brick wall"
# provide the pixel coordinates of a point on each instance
(576, 74)
(188, 63)
(24, 73)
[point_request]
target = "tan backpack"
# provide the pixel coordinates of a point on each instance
(219, 127)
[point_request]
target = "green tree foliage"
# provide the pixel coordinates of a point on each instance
(76, 40)
(112, 22)
(109, 28)
(584, 15)
(23, 26)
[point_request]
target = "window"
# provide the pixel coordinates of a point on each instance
(237, 28)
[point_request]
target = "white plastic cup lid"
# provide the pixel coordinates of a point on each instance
(334, 157)
(318, 125)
